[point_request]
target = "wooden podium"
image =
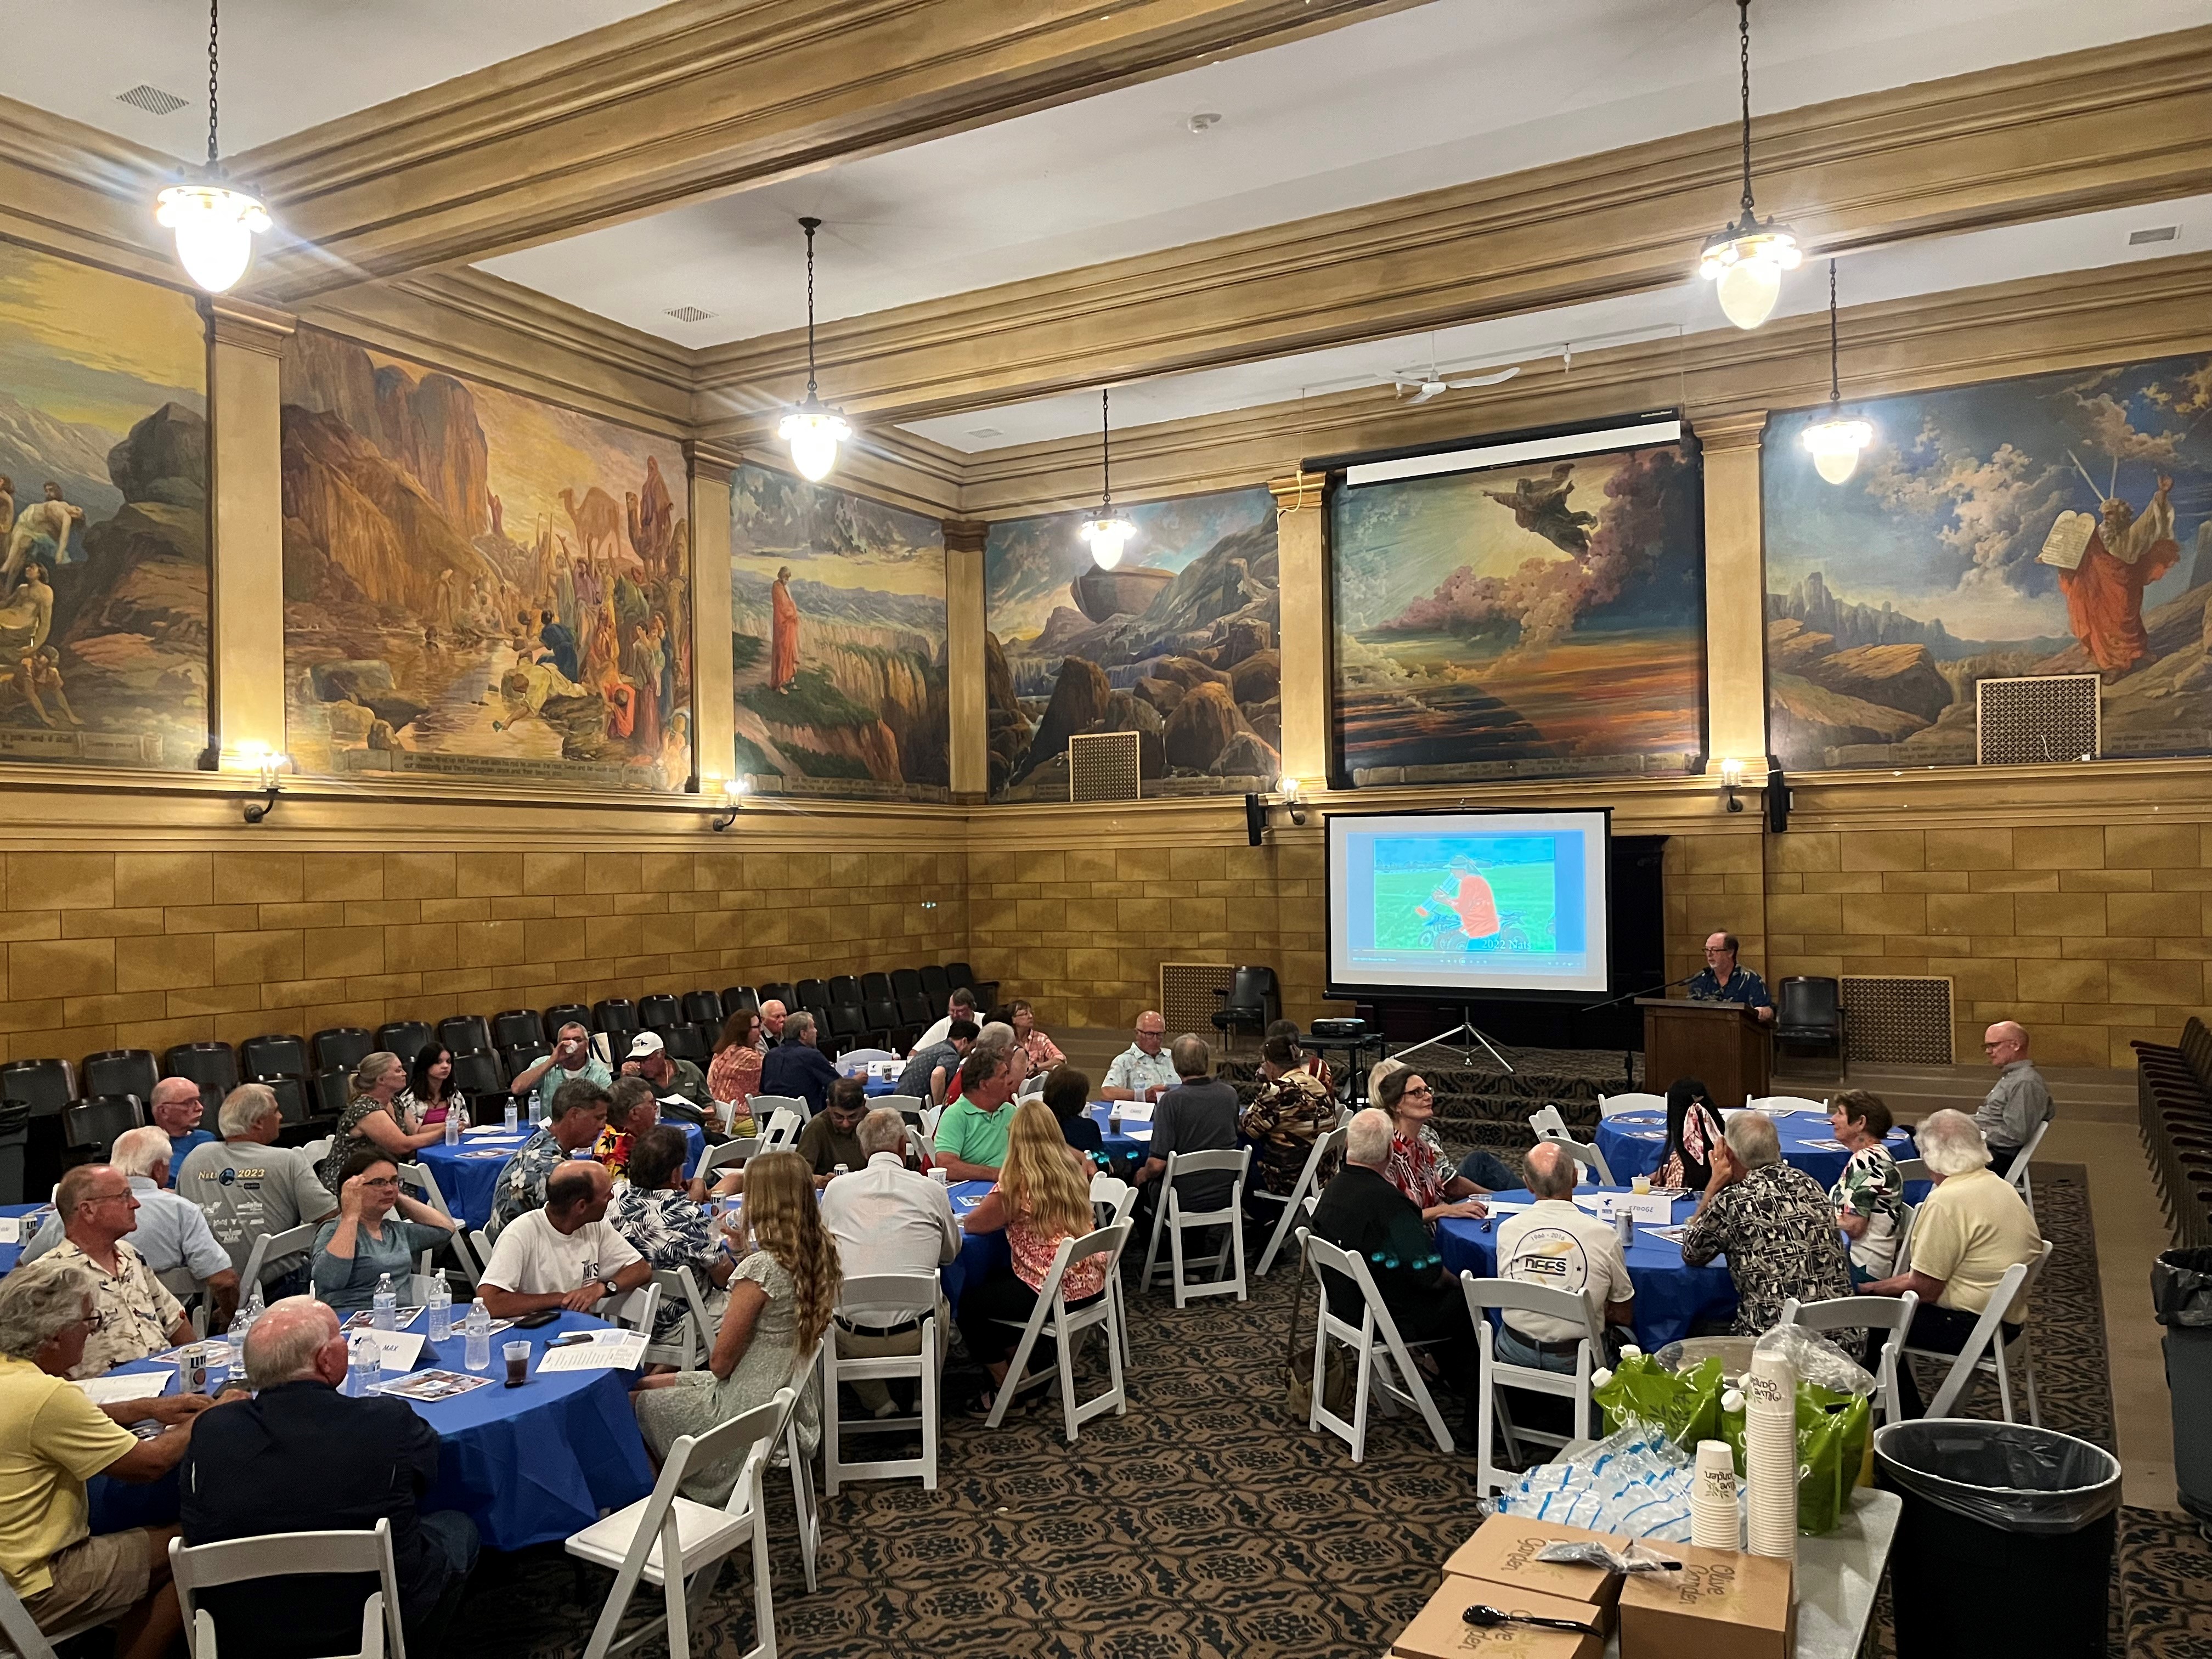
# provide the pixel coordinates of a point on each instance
(1722, 1043)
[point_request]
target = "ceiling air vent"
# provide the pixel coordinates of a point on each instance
(2155, 234)
(985, 432)
(152, 100)
(688, 313)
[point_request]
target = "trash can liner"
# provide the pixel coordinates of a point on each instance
(2006, 1475)
(2181, 1287)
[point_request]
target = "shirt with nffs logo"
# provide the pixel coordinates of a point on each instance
(1555, 1244)
(248, 1189)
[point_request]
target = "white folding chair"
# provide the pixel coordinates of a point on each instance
(21, 1632)
(180, 1284)
(689, 1342)
(1509, 1295)
(728, 1155)
(1589, 1157)
(915, 1295)
(640, 1541)
(1770, 1104)
(765, 1106)
(481, 1238)
(1907, 1216)
(1548, 1124)
(1865, 1313)
(910, 1107)
(805, 1509)
(420, 1181)
(1324, 1148)
(315, 1151)
(2017, 1173)
(634, 1308)
(1910, 1169)
(1381, 1350)
(781, 1133)
(1613, 1105)
(282, 1555)
(931, 1116)
(1111, 1200)
(1172, 1219)
(270, 1248)
(1053, 1318)
(1985, 1349)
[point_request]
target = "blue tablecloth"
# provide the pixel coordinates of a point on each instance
(529, 1465)
(1634, 1142)
(1669, 1297)
(980, 1253)
(468, 1174)
(10, 1253)
(1119, 1145)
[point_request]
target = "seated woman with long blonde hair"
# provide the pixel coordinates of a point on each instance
(780, 1299)
(1040, 1199)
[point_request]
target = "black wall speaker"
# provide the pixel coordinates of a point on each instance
(1255, 820)
(1778, 801)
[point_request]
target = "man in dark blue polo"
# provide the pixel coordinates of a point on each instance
(1722, 980)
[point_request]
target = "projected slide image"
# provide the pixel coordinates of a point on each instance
(1467, 893)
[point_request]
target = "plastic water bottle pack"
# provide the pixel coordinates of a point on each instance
(1636, 1484)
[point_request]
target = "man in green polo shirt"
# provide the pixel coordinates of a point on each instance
(971, 1136)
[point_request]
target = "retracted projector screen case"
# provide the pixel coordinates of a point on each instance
(1467, 905)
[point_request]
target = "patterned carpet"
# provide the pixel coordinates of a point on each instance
(1204, 1523)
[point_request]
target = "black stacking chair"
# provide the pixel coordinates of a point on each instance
(405, 1037)
(848, 1027)
(878, 986)
(15, 1149)
(265, 1057)
(213, 1066)
(44, 1089)
(516, 1025)
(913, 1009)
(90, 1129)
(462, 1034)
(843, 988)
(331, 1089)
(1809, 1014)
(660, 1010)
(291, 1094)
(686, 1041)
(779, 992)
(477, 1072)
(738, 996)
(936, 986)
(342, 1047)
(520, 1058)
(1249, 1003)
(617, 1017)
(883, 1017)
(986, 990)
(118, 1072)
(704, 1008)
(566, 1013)
(813, 994)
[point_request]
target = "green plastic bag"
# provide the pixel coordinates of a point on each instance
(1686, 1406)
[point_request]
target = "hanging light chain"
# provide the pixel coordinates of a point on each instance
(809, 225)
(212, 63)
(1743, 24)
(1106, 452)
(1835, 383)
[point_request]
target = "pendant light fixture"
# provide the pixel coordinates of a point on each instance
(812, 429)
(215, 225)
(1835, 442)
(1746, 258)
(1109, 532)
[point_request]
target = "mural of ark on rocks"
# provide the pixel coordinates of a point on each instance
(103, 519)
(478, 584)
(1178, 645)
(837, 640)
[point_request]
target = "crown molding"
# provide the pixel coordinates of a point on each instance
(2001, 146)
(702, 98)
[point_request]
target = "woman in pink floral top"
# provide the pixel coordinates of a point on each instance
(1044, 1054)
(1418, 1166)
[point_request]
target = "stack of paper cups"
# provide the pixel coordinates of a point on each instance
(1715, 1523)
(1770, 1457)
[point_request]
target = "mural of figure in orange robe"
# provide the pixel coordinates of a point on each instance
(2104, 594)
(783, 654)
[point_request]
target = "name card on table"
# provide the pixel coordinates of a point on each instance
(1131, 1111)
(11, 1230)
(1648, 1208)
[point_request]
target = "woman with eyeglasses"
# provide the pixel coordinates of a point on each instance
(1418, 1166)
(380, 1231)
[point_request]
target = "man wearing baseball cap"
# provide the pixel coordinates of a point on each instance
(649, 1059)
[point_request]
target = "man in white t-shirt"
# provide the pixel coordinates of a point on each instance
(1556, 1244)
(565, 1254)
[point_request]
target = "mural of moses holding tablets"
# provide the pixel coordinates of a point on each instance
(2055, 524)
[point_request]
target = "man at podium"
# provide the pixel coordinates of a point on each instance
(1722, 980)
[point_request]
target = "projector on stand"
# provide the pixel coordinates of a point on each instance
(1339, 1030)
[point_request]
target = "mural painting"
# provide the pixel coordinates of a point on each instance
(1540, 620)
(1178, 644)
(103, 517)
(477, 583)
(837, 635)
(2055, 523)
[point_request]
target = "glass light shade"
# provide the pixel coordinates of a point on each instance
(1287, 786)
(1106, 538)
(735, 788)
(813, 431)
(1748, 268)
(215, 227)
(1732, 774)
(1835, 444)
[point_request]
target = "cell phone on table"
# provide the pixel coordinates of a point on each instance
(530, 1321)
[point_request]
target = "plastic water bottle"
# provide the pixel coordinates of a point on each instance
(384, 1305)
(239, 1325)
(365, 1364)
(510, 1113)
(477, 1327)
(452, 1127)
(440, 1306)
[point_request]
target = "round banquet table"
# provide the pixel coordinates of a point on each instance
(980, 1253)
(1634, 1142)
(529, 1465)
(1669, 1297)
(468, 1174)
(1133, 1142)
(27, 1217)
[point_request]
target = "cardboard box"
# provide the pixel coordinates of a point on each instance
(1721, 1606)
(1440, 1630)
(1503, 1548)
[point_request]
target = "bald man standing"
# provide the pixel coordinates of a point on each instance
(2018, 1101)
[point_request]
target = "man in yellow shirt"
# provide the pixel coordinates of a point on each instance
(52, 1440)
(1968, 1232)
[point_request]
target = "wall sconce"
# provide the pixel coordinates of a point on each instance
(734, 791)
(266, 763)
(1732, 780)
(1286, 787)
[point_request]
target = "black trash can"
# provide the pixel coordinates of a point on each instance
(2005, 1544)
(2181, 1294)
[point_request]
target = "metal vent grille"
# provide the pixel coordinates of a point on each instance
(1898, 1021)
(2155, 234)
(1188, 1002)
(688, 313)
(1102, 766)
(152, 100)
(2040, 718)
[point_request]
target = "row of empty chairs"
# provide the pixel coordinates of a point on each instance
(2174, 1095)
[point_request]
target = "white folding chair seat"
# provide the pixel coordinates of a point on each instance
(281, 1555)
(640, 1541)
(1509, 1295)
(1053, 1318)
(781, 1133)
(1172, 1219)
(916, 1295)
(1381, 1351)
(1865, 1313)
(1589, 1157)
(688, 1344)
(1548, 1124)
(2017, 1175)
(1986, 1350)
(1324, 1148)
(1613, 1105)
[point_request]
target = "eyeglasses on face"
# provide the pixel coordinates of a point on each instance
(1420, 1089)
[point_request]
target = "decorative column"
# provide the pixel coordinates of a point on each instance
(1302, 574)
(967, 695)
(245, 551)
(1735, 592)
(713, 720)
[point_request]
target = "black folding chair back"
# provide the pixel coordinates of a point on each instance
(477, 1072)
(615, 1016)
(687, 1043)
(738, 996)
(913, 1009)
(516, 1025)
(404, 1037)
(986, 990)
(213, 1066)
(520, 1058)
(704, 1008)
(779, 993)
(876, 987)
(660, 1010)
(463, 1033)
(342, 1047)
(118, 1072)
(265, 1057)
(291, 1094)
(332, 1090)
(15, 1148)
(1809, 1013)
(41, 1085)
(936, 986)
(566, 1013)
(1252, 1002)
(90, 1129)
(843, 988)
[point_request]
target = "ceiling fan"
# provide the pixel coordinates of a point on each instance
(1434, 385)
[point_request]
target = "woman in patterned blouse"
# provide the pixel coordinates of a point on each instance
(733, 1076)
(1693, 1129)
(656, 1213)
(1868, 1197)
(1418, 1166)
(1291, 1111)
